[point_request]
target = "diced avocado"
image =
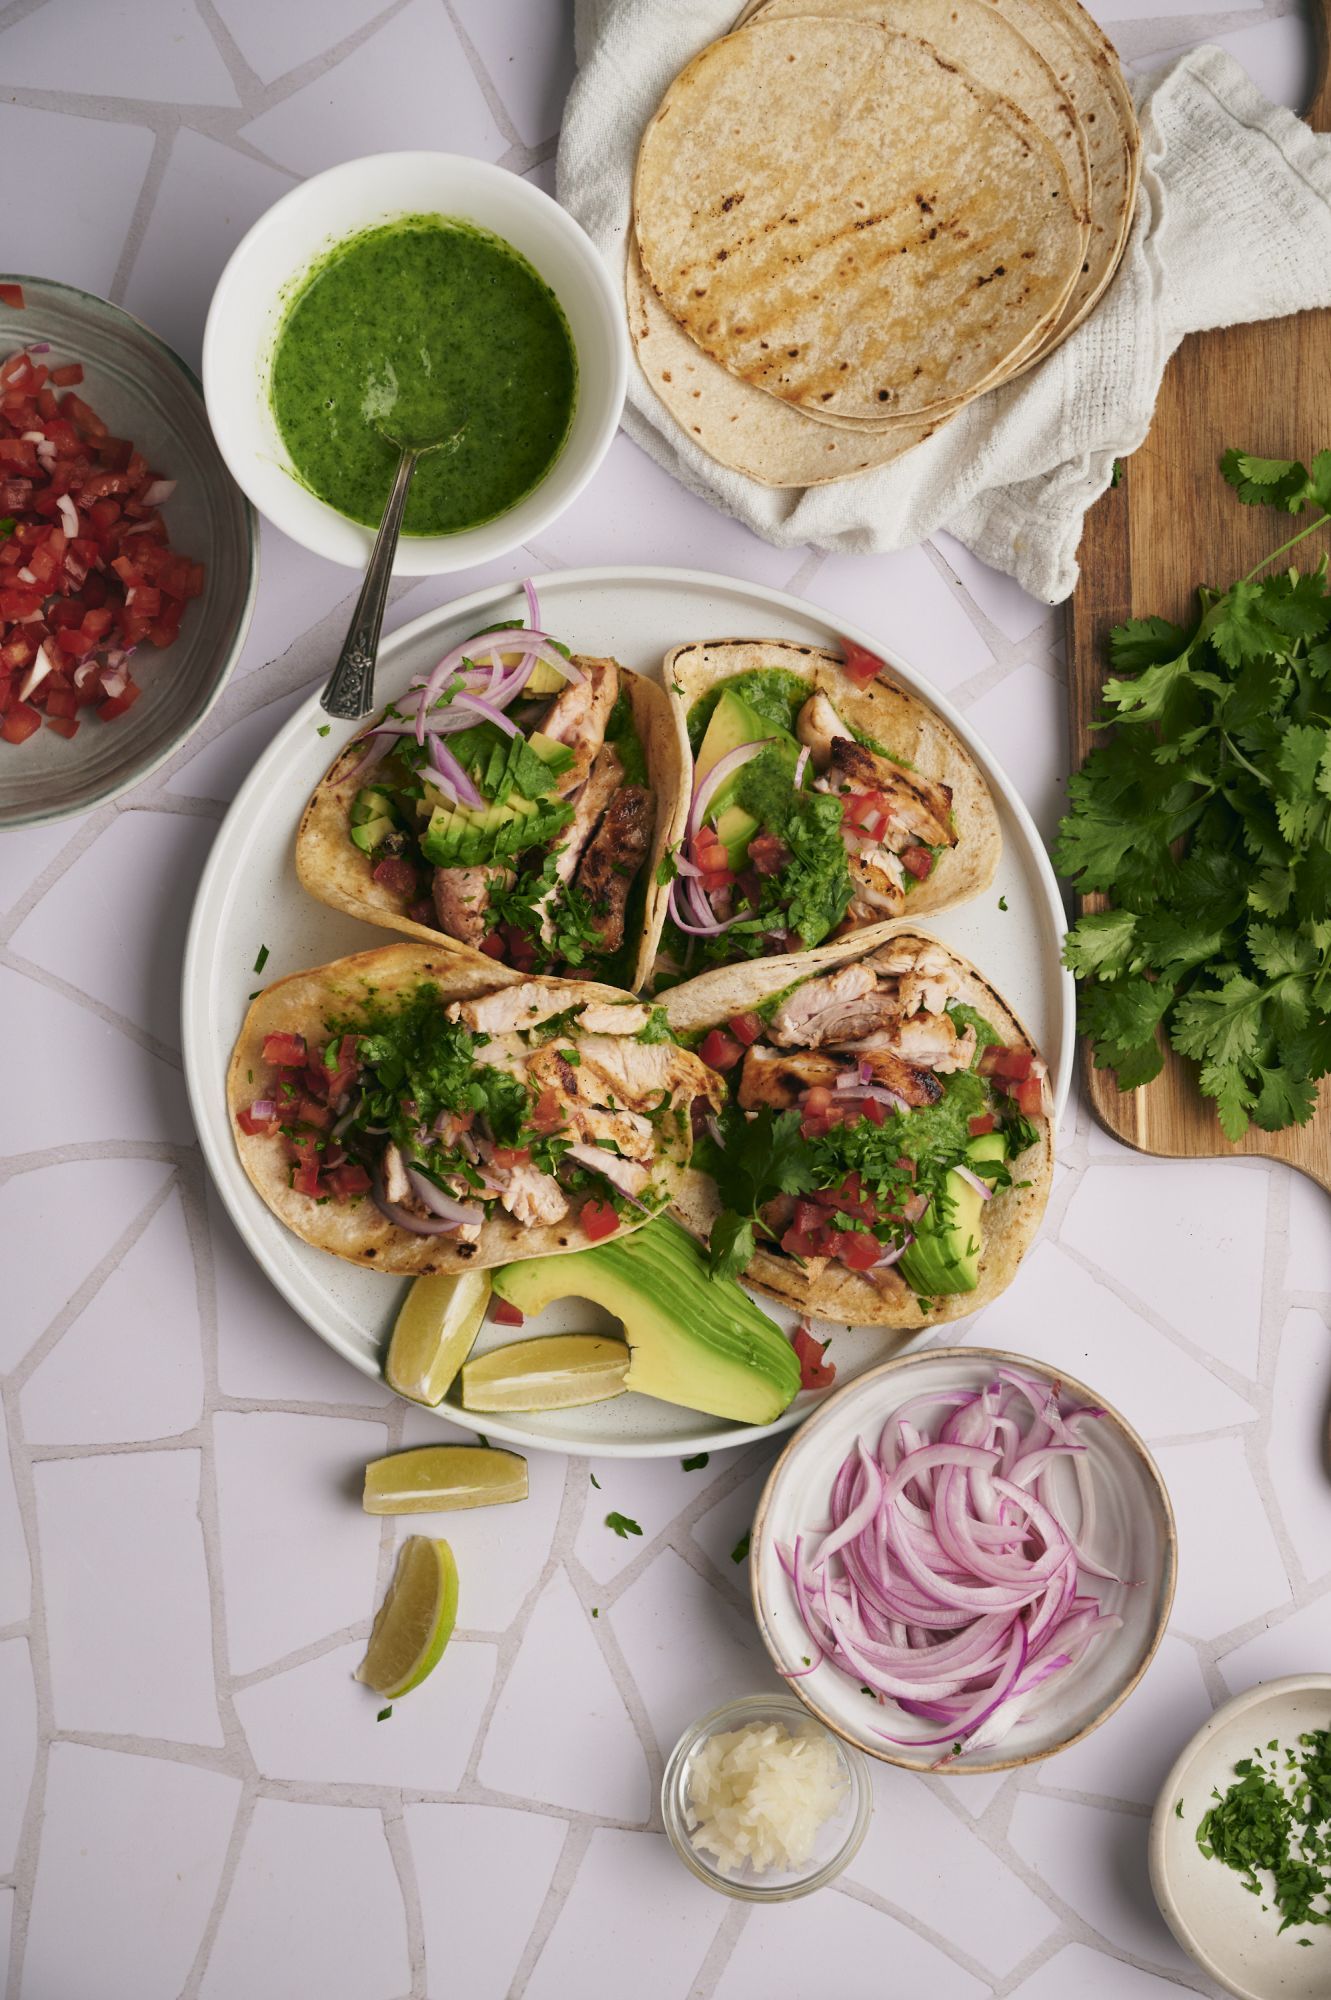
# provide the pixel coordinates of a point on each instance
(368, 835)
(543, 678)
(696, 1340)
(372, 817)
(734, 722)
(736, 828)
(945, 1256)
(556, 755)
(461, 836)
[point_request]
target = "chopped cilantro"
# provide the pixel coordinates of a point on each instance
(666, 869)
(8, 525)
(622, 1525)
(1178, 1810)
(740, 1552)
(384, 1713)
(1002, 902)
(656, 1028)
(596, 1611)
(1116, 476)
(694, 1464)
(595, 1481)
(323, 729)
(1277, 1822)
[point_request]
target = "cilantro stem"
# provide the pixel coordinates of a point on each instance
(1238, 755)
(1292, 543)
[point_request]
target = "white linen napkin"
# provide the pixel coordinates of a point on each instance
(1233, 223)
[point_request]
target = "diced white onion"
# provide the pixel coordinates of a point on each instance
(761, 1795)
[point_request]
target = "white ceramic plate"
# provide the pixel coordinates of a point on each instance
(249, 897)
(1206, 1904)
(1134, 1536)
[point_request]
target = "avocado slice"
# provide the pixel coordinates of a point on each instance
(945, 1256)
(733, 723)
(696, 1340)
(543, 678)
(462, 836)
(551, 752)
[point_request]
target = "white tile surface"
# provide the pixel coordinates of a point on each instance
(408, 86)
(687, 1647)
(1095, 1860)
(315, 1721)
(1013, 610)
(159, 49)
(793, 1948)
(35, 1208)
(129, 1366)
(528, 54)
(276, 39)
(105, 1086)
(911, 605)
(15, 1571)
(918, 1857)
(1092, 1976)
(1292, 1644)
(1309, 1266)
(461, 1852)
(18, 1745)
(132, 1848)
(1296, 1451)
(127, 1610)
(634, 1922)
(315, 1898)
(1024, 722)
(1217, 1507)
(29, 851)
(1128, 1757)
(219, 768)
(560, 1731)
(299, 1555)
(75, 232)
(651, 1492)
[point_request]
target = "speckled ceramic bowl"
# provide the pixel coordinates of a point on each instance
(1206, 1905)
(1134, 1536)
(145, 392)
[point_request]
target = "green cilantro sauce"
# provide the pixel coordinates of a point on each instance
(417, 325)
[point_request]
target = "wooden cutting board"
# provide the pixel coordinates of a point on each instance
(1169, 525)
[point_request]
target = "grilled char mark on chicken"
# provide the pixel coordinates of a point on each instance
(819, 726)
(879, 885)
(920, 809)
(892, 1004)
(583, 1092)
(578, 716)
(530, 1196)
(617, 851)
(510, 1010)
(603, 781)
(773, 1077)
(461, 899)
(838, 1007)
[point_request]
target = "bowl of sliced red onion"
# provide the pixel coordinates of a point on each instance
(964, 1561)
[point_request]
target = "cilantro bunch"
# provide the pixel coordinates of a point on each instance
(1206, 820)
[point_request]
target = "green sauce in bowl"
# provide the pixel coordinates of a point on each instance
(414, 326)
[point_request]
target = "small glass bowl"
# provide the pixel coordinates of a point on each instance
(838, 1839)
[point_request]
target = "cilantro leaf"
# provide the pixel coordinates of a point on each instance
(622, 1525)
(1267, 482)
(760, 1158)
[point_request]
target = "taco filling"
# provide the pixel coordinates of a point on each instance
(508, 805)
(800, 825)
(447, 1114)
(872, 1115)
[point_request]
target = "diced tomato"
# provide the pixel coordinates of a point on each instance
(1014, 1062)
(720, 1050)
(19, 453)
(503, 1314)
(257, 1126)
(305, 1172)
(118, 703)
(547, 1114)
(982, 1124)
(816, 1371)
(396, 874)
(511, 1156)
(918, 860)
(309, 1111)
(1029, 1094)
(598, 1220)
(870, 1108)
(63, 725)
(340, 1079)
(284, 1050)
(62, 702)
(12, 295)
(768, 853)
(346, 1181)
(519, 948)
(745, 1028)
(20, 722)
(713, 879)
(808, 1217)
(857, 1250)
(798, 1242)
(859, 664)
(492, 945)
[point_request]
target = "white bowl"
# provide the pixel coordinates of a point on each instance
(251, 295)
(1205, 1903)
(1134, 1536)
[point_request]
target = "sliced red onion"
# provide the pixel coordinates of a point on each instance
(713, 1124)
(801, 764)
(710, 928)
(535, 645)
(687, 868)
(483, 708)
(849, 1084)
(982, 1187)
(724, 767)
(463, 1214)
(447, 766)
(380, 746)
(893, 1253)
(533, 604)
(402, 1218)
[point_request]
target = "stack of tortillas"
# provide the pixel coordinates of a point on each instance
(851, 217)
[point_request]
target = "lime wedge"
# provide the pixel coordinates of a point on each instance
(440, 1476)
(439, 1320)
(415, 1620)
(556, 1372)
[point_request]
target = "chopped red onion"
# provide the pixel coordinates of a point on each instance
(157, 491)
(461, 1214)
(724, 767)
(69, 515)
(801, 764)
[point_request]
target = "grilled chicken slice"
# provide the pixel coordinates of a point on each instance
(923, 975)
(617, 851)
(584, 1094)
(637, 1074)
(606, 1017)
(530, 1196)
(920, 808)
(462, 900)
(578, 716)
(511, 1009)
(603, 781)
(397, 1188)
(880, 889)
(779, 1079)
(839, 1007)
(927, 1041)
(629, 1176)
(819, 726)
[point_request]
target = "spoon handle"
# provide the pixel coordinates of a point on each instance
(349, 692)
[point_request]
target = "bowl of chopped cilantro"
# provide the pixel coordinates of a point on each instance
(1240, 1844)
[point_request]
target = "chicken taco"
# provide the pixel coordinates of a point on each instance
(516, 806)
(412, 1112)
(825, 798)
(885, 1151)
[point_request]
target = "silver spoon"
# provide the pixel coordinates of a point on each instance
(349, 692)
